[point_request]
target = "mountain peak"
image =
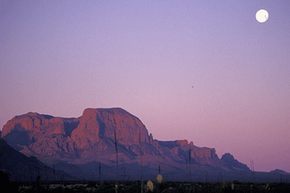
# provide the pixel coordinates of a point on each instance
(96, 124)
(232, 162)
(278, 171)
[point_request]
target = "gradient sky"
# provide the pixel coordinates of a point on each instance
(200, 70)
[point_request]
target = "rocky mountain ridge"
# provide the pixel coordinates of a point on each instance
(232, 162)
(91, 138)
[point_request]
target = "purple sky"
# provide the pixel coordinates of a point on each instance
(60, 57)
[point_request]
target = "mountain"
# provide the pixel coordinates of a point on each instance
(22, 168)
(277, 171)
(233, 163)
(83, 143)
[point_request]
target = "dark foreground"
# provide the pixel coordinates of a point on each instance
(135, 187)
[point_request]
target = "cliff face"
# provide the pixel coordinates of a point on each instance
(96, 124)
(42, 134)
(91, 137)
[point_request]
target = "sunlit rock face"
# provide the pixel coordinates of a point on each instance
(91, 137)
(96, 124)
(41, 134)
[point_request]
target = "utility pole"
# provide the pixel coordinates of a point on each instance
(189, 160)
(140, 144)
(116, 148)
(100, 173)
(253, 170)
(53, 172)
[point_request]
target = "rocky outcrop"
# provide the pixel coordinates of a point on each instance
(91, 138)
(41, 134)
(233, 163)
(98, 123)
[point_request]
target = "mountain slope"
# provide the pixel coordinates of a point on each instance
(22, 168)
(91, 138)
(232, 162)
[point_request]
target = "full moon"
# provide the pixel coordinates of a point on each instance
(262, 15)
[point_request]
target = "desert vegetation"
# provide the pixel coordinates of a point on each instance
(164, 187)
